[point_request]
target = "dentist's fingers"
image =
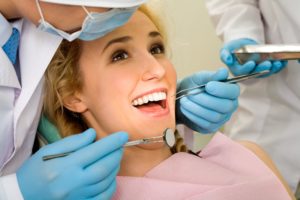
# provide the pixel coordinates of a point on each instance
(223, 90)
(99, 149)
(71, 143)
(266, 65)
(95, 189)
(212, 116)
(202, 124)
(228, 58)
(244, 69)
(198, 114)
(201, 78)
(273, 67)
(277, 66)
(208, 101)
(103, 168)
(220, 75)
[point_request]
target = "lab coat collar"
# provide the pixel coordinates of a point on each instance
(8, 76)
(35, 53)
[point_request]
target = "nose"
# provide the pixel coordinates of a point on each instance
(153, 68)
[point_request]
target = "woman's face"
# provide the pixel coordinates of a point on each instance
(128, 81)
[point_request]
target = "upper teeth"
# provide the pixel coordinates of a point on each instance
(157, 96)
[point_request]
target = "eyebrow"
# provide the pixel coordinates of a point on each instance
(155, 34)
(152, 34)
(117, 40)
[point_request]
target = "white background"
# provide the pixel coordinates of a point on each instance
(193, 41)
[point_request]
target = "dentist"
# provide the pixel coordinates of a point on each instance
(31, 31)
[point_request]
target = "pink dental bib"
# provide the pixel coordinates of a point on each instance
(225, 170)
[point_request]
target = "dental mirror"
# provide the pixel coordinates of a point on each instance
(168, 137)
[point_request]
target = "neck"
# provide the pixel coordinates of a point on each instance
(138, 161)
(8, 10)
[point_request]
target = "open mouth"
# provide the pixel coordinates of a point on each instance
(153, 102)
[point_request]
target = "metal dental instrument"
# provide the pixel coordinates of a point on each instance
(200, 88)
(272, 52)
(168, 137)
(49, 157)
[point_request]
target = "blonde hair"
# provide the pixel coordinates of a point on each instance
(63, 79)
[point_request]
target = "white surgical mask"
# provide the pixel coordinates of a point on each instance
(94, 26)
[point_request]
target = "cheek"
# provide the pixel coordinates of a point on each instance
(171, 75)
(95, 86)
(124, 81)
(171, 78)
(108, 93)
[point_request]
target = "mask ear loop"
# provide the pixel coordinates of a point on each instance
(87, 12)
(40, 10)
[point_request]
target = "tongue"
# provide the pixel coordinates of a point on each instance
(150, 107)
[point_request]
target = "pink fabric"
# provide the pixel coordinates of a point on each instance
(225, 171)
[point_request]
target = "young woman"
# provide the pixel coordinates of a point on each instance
(125, 82)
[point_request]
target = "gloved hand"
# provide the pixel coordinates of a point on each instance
(249, 67)
(208, 111)
(87, 173)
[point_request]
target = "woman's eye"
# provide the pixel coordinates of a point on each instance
(157, 49)
(119, 55)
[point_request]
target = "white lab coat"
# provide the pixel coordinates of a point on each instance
(269, 111)
(19, 117)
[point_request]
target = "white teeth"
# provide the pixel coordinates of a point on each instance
(150, 97)
(156, 96)
(140, 101)
(145, 99)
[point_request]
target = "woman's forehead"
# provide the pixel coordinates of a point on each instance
(138, 21)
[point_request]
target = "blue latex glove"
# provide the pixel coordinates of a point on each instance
(208, 111)
(249, 67)
(87, 173)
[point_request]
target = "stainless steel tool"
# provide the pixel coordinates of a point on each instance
(168, 137)
(200, 88)
(272, 52)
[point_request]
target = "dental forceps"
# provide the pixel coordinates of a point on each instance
(168, 137)
(200, 88)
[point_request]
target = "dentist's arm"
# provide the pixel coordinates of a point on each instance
(89, 172)
(235, 19)
(208, 111)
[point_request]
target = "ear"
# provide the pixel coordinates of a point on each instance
(74, 103)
